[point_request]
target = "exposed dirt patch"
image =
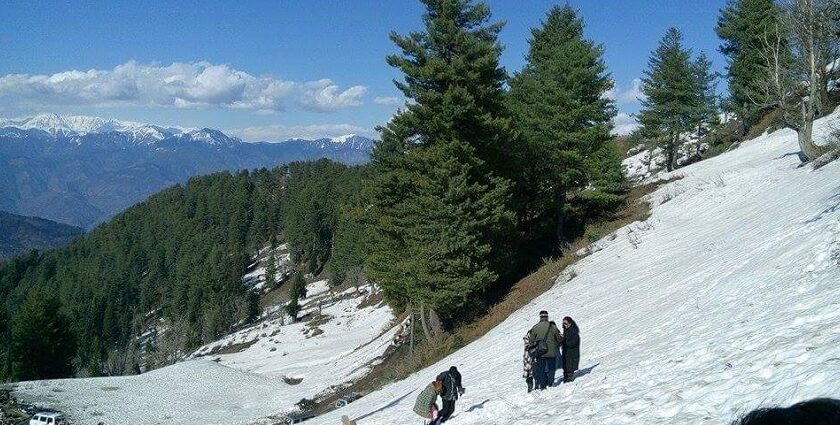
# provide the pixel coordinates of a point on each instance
(372, 300)
(231, 348)
(318, 320)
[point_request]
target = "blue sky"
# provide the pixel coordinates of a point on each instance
(272, 70)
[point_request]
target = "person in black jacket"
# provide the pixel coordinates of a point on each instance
(571, 349)
(452, 389)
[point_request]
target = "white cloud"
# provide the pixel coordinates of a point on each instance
(389, 101)
(628, 95)
(279, 133)
(324, 96)
(624, 124)
(179, 85)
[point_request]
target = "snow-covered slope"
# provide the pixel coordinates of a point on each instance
(727, 298)
(280, 363)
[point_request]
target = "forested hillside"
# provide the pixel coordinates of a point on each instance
(19, 234)
(174, 263)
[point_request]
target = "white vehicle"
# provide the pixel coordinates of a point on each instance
(47, 419)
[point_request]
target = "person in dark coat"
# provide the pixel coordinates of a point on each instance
(558, 364)
(546, 363)
(452, 389)
(571, 349)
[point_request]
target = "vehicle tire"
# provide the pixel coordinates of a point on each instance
(340, 403)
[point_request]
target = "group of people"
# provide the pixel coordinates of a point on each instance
(548, 349)
(448, 386)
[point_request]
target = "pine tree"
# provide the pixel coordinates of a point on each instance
(743, 26)
(558, 101)
(706, 83)
(670, 88)
(297, 290)
(349, 246)
(42, 345)
(452, 72)
(439, 219)
(254, 308)
(271, 266)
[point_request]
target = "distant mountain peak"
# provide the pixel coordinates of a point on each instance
(80, 125)
(343, 139)
(210, 136)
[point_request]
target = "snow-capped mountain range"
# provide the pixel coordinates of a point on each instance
(80, 125)
(81, 170)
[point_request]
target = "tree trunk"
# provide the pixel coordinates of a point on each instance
(560, 218)
(810, 150)
(670, 154)
(435, 324)
(411, 335)
(426, 331)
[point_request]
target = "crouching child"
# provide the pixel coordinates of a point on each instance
(426, 404)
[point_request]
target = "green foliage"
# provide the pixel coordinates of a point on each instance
(297, 290)
(706, 83)
(565, 123)
(271, 266)
(254, 309)
(672, 95)
(349, 245)
(452, 73)
(181, 255)
(42, 345)
(743, 26)
(439, 218)
(434, 226)
(315, 193)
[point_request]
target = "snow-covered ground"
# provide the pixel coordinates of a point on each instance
(727, 298)
(256, 278)
(283, 364)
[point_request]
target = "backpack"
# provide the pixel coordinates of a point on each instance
(540, 347)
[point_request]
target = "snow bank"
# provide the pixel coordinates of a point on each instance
(727, 298)
(282, 364)
(198, 392)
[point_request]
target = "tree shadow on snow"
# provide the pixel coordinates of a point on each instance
(389, 405)
(788, 154)
(823, 213)
(477, 406)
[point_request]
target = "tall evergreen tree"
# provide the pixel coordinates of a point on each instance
(565, 119)
(452, 73)
(744, 25)
(271, 265)
(297, 290)
(42, 345)
(706, 83)
(439, 219)
(670, 88)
